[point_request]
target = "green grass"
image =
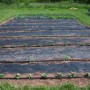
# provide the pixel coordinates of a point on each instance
(8, 11)
(68, 86)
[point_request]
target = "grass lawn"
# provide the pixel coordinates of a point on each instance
(67, 86)
(8, 11)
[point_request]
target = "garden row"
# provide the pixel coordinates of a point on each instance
(26, 41)
(43, 33)
(43, 41)
(44, 53)
(45, 67)
(42, 24)
(45, 76)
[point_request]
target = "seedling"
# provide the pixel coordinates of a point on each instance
(59, 75)
(67, 44)
(30, 76)
(25, 45)
(13, 46)
(44, 76)
(82, 44)
(53, 28)
(87, 75)
(40, 45)
(72, 75)
(17, 76)
(1, 75)
(66, 57)
(32, 58)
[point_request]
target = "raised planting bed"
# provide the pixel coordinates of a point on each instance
(45, 68)
(44, 28)
(44, 53)
(37, 23)
(43, 41)
(43, 24)
(46, 33)
(43, 21)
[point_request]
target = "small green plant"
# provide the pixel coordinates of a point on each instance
(24, 45)
(40, 45)
(66, 43)
(72, 75)
(59, 75)
(17, 76)
(44, 76)
(66, 57)
(1, 75)
(87, 75)
(82, 44)
(30, 76)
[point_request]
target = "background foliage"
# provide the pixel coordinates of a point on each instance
(15, 1)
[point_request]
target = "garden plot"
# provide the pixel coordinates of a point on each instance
(44, 39)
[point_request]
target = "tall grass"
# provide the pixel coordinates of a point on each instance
(67, 86)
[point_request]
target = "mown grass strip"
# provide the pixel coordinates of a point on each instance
(66, 86)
